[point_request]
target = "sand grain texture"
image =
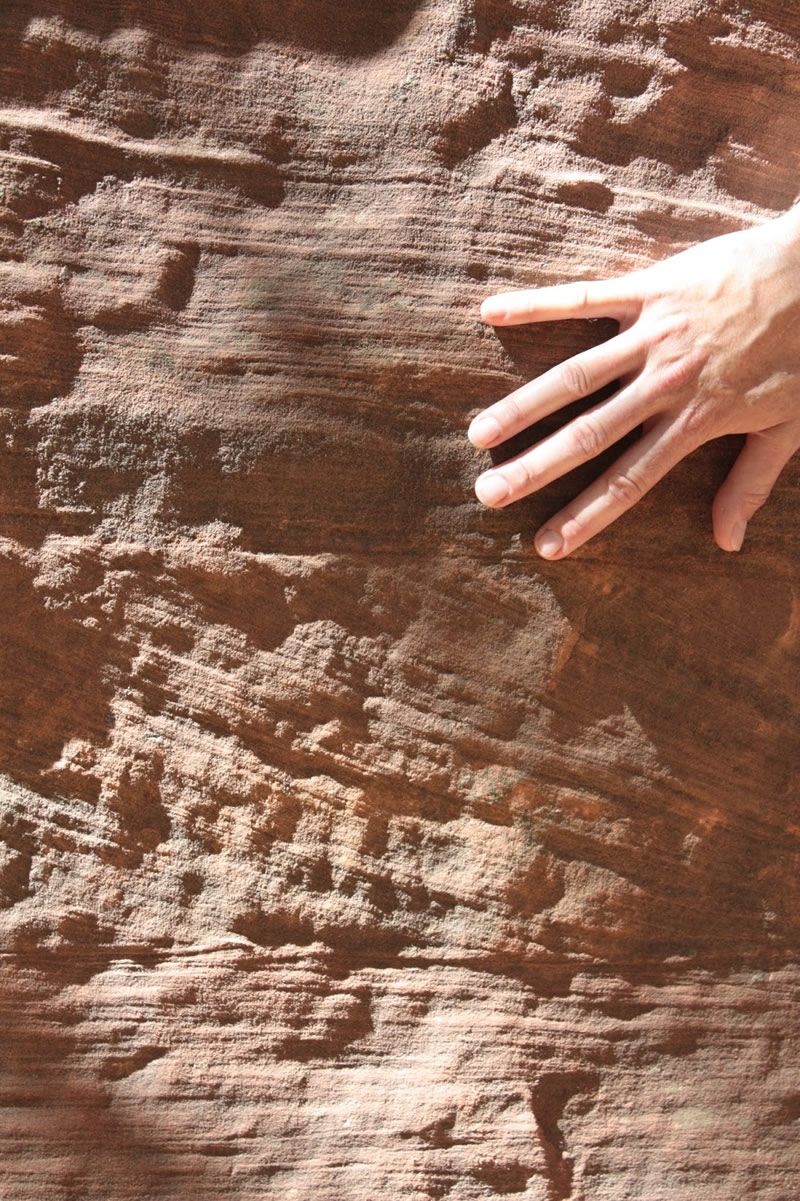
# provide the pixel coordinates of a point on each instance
(347, 850)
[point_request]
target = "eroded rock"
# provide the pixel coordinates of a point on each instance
(347, 849)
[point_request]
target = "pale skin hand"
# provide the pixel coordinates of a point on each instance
(708, 344)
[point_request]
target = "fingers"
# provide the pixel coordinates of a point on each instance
(615, 491)
(750, 482)
(577, 377)
(582, 439)
(601, 298)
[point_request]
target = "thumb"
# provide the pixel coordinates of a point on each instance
(750, 481)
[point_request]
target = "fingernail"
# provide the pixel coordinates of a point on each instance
(737, 534)
(491, 489)
(549, 544)
(493, 310)
(484, 431)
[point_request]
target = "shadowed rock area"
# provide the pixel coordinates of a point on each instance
(347, 849)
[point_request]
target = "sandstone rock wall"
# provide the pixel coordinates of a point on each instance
(347, 850)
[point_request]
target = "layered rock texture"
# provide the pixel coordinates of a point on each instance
(348, 850)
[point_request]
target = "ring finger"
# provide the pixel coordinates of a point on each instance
(634, 473)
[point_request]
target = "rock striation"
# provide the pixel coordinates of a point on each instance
(347, 849)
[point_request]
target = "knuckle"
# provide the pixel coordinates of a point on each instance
(624, 488)
(754, 499)
(676, 375)
(573, 528)
(575, 378)
(587, 437)
(580, 295)
(520, 476)
(671, 329)
(508, 411)
(695, 422)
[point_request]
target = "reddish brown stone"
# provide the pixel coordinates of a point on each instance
(348, 849)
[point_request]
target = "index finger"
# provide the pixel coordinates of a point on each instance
(587, 298)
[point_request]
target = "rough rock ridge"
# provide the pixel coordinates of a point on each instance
(347, 850)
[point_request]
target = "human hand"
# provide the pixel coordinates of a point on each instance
(708, 344)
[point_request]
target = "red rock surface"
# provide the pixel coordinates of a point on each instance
(348, 850)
